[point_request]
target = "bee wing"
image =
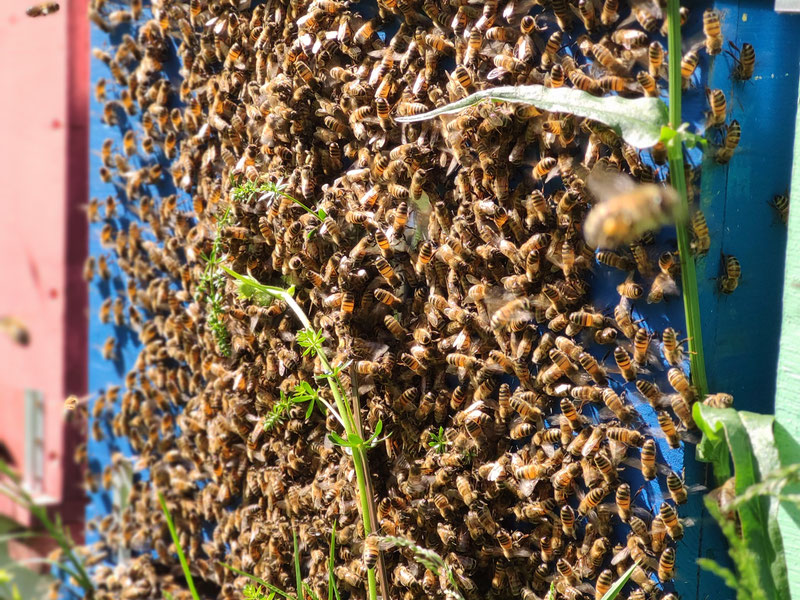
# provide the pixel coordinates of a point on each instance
(603, 184)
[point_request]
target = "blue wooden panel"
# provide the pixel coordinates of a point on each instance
(741, 331)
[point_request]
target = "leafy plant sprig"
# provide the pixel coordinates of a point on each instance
(246, 191)
(211, 285)
(438, 441)
(313, 340)
(428, 559)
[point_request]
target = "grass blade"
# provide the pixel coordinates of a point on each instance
(181, 556)
(638, 121)
(332, 589)
(616, 588)
(298, 576)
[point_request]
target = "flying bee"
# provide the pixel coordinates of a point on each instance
(109, 348)
(627, 210)
(43, 9)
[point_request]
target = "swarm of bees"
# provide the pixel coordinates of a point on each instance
(446, 259)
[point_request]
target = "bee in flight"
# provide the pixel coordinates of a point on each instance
(627, 210)
(43, 9)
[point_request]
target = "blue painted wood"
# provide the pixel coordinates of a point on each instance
(741, 331)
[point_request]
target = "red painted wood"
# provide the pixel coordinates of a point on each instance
(43, 240)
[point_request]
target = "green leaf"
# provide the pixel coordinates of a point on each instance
(616, 588)
(638, 120)
(551, 593)
(310, 340)
(332, 588)
(310, 592)
(338, 440)
(713, 446)
(378, 429)
(322, 214)
(750, 440)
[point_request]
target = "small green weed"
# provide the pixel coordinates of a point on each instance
(438, 441)
(312, 341)
(246, 191)
(211, 286)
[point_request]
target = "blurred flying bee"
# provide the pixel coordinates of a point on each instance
(43, 9)
(626, 210)
(15, 329)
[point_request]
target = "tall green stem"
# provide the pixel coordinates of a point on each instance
(360, 461)
(691, 303)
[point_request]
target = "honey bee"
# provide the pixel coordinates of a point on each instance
(718, 104)
(667, 426)
(43, 9)
(689, 63)
(626, 215)
(702, 238)
(592, 499)
(713, 32)
(669, 517)
(719, 400)
(781, 205)
(745, 61)
(731, 273)
(733, 134)
(109, 348)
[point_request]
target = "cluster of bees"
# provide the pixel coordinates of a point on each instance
(449, 265)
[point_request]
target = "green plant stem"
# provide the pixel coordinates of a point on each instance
(691, 303)
(360, 462)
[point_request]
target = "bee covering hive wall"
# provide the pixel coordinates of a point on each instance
(232, 482)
